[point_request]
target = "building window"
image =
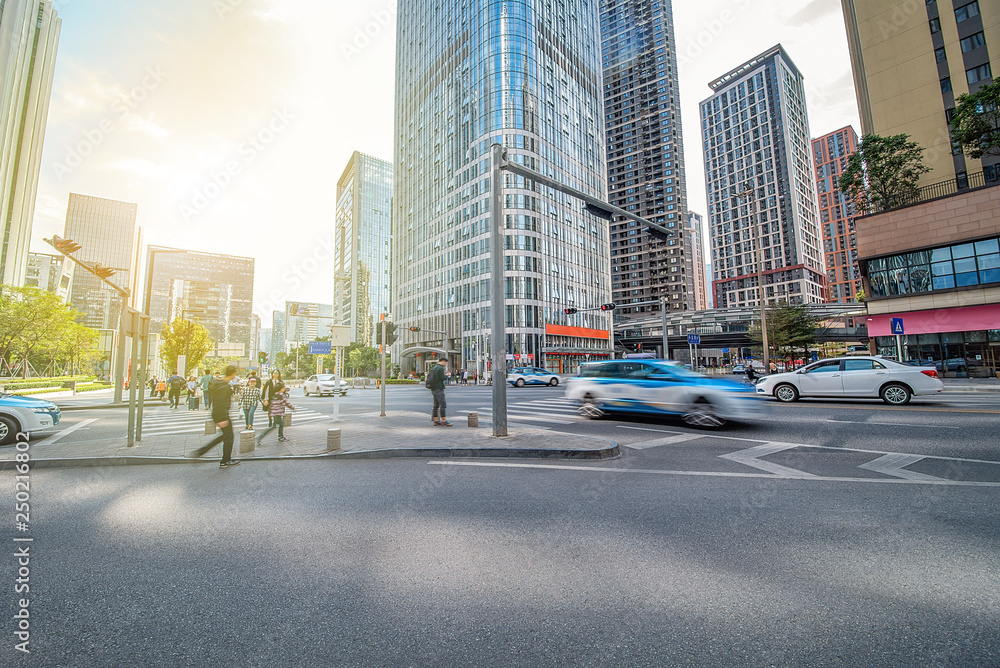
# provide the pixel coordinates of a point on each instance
(935, 25)
(940, 54)
(972, 42)
(961, 265)
(978, 73)
(967, 11)
(946, 85)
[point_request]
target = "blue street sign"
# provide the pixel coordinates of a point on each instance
(725, 350)
(694, 339)
(897, 325)
(320, 348)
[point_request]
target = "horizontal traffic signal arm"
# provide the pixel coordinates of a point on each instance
(603, 307)
(67, 247)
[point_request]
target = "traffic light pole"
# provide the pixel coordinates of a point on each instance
(497, 303)
(382, 384)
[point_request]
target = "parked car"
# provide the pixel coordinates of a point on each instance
(323, 383)
(660, 387)
(739, 368)
(25, 414)
(857, 377)
(530, 375)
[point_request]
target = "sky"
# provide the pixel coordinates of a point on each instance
(229, 122)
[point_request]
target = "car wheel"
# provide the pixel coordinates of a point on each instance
(590, 408)
(305, 391)
(554, 382)
(703, 414)
(519, 382)
(895, 395)
(8, 430)
(786, 393)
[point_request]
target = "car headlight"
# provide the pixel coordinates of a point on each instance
(41, 409)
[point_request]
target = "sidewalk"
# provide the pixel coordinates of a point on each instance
(364, 436)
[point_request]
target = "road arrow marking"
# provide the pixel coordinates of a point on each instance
(893, 464)
(679, 438)
(751, 457)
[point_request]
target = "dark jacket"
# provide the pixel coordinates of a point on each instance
(222, 397)
(267, 392)
(436, 378)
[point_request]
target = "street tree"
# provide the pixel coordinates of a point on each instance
(363, 360)
(33, 323)
(883, 173)
(790, 329)
(975, 123)
(184, 337)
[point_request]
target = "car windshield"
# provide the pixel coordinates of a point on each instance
(325, 376)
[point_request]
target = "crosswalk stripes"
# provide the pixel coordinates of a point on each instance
(545, 411)
(167, 421)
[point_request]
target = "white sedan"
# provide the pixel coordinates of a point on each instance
(856, 377)
(323, 383)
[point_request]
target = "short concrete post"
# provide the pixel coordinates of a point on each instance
(473, 419)
(246, 441)
(209, 427)
(288, 419)
(333, 438)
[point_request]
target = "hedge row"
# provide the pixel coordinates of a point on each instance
(42, 382)
(79, 388)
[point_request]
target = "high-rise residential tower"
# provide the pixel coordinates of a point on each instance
(912, 61)
(694, 232)
(645, 156)
(527, 75)
(761, 185)
(212, 289)
(363, 252)
(53, 273)
(109, 233)
(837, 212)
(29, 38)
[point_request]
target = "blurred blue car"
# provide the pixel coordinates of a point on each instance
(660, 387)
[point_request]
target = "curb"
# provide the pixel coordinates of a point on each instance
(613, 451)
(95, 407)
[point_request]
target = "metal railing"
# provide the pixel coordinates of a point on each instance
(961, 183)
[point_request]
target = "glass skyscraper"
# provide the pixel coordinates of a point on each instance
(646, 157)
(364, 246)
(526, 74)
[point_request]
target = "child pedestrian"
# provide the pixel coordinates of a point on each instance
(161, 387)
(249, 400)
(276, 411)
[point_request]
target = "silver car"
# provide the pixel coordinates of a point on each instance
(323, 383)
(864, 377)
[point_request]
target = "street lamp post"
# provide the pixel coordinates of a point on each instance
(750, 195)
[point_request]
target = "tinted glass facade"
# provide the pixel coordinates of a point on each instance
(524, 73)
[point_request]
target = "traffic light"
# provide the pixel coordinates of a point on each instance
(599, 211)
(262, 358)
(390, 333)
(64, 246)
(608, 307)
(570, 311)
(378, 332)
(414, 329)
(102, 271)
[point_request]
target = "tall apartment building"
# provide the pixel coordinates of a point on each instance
(278, 340)
(29, 38)
(761, 185)
(109, 233)
(212, 289)
(302, 322)
(694, 229)
(53, 273)
(836, 214)
(645, 156)
(911, 63)
(363, 252)
(526, 75)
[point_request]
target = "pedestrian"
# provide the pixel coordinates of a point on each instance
(204, 382)
(267, 392)
(276, 407)
(152, 387)
(161, 387)
(248, 402)
(465, 377)
(751, 374)
(435, 383)
(222, 397)
(192, 395)
(176, 385)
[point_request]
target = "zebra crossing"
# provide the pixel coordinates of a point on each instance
(165, 421)
(540, 411)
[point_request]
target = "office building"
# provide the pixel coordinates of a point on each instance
(526, 75)
(53, 273)
(300, 323)
(213, 290)
(29, 35)
(694, 232)
(363, 252)
(646, 158)
(761, 186)
(109, 234)
(910, 65)
(278, 341)
(836, 214)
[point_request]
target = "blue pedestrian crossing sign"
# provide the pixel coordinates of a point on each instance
(897, 326)
(694, 339)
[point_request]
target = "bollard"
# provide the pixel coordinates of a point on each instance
(246, 441)
(333, 438)
(473, 419)
(209, 427)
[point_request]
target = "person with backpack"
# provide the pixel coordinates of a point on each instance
(176, 384)
(267, 392)
(435, 383)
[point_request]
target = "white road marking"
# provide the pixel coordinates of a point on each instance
(65, 432)
(897, 424)
(515, 417)
(719, 474)
(679, 438)
(893, 464)
(749, 457)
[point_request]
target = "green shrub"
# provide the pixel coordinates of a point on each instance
(401, 381)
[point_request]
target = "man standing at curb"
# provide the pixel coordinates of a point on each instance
(205, 381)
(435, 382)
(222, 396)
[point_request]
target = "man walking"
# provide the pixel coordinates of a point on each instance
(222, 396)
(436, 382)
(204, 381)
(176, 385)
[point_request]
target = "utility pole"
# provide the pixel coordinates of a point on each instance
(381, 330)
